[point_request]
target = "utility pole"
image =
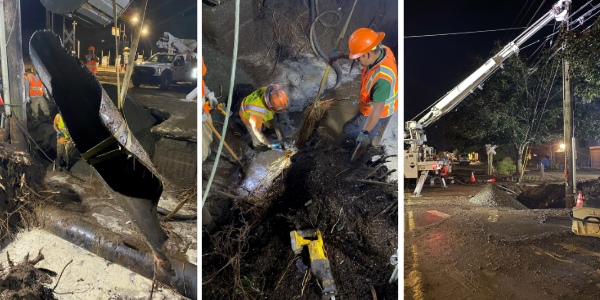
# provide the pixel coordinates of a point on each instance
(64, 29)
(74, 25)
(48, 17)
(14, 58)
(568, 128)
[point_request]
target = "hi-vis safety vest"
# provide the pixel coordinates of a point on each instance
(387, 70)
(204, 100)
(61, 125)
(92, 65)
(35, 86)
(255, 104)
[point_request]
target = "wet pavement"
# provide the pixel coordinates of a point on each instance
(457, 250)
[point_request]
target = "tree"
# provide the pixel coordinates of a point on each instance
(519, 106)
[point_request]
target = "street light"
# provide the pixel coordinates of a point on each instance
(134, 19)
(144, 31)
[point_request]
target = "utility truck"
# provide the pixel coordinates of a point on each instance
(179, 64)
(419, 159)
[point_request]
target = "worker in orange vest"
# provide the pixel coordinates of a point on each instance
(259, 108)
(379, 85)
(208, 101)
(92, 60)
(36, 94)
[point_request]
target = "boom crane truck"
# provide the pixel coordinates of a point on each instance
(418, 158)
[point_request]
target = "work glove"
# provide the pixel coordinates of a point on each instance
(363, 139)
(212, 101)
(275, 146)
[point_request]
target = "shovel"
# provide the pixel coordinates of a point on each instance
(225, 143)
(357, 152)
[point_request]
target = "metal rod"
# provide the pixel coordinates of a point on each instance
(4, 58)
(131, 58)
(117, 47)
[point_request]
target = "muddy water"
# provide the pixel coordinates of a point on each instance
(257, 170)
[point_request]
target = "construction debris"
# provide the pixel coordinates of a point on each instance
(492, 195)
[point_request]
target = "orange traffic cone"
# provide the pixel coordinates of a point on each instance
(472, 177)
(491, 180)
(579, 199)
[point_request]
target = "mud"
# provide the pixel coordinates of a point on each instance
(318, 190)
(19, 173)
(25, 281)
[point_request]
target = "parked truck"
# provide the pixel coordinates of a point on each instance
(179, 64)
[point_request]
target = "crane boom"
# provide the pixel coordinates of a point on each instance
(418, 157)
(475, 80)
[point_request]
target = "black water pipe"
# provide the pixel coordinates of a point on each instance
(111, 247)
(315, 42)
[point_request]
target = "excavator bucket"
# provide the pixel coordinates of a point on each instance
(101, 134)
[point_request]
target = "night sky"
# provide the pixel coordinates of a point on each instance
(179, 17)
(434, 65)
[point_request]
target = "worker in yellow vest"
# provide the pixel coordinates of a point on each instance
(63, 144)
(379, 85)
(36, 94)
(91, 60)
(208, 101)
(259, 108)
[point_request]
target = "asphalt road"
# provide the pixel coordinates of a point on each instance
(456, 250)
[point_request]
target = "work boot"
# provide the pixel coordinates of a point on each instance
(211, 157)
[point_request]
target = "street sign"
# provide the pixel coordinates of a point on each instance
(69, 37)
(491, 149)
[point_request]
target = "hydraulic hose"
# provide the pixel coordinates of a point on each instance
(315, 43)
(231, 82)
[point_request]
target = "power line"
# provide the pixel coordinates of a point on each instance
(465, 32)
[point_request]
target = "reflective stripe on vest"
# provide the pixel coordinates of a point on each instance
(35, 86)
(385, 70)
(61, 125)
(255, 104)
(92, 65)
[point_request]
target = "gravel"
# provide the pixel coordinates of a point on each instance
(492, 195)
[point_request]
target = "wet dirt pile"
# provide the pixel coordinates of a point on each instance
(21, 177)
(542, 196)
(253, 259)
(25, 281)
(492, 195)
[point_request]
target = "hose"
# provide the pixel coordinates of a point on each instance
(314, 43)
(231, 82)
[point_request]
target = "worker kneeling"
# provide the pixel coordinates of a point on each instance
(63, 144)
(379, 85)
(259, 108)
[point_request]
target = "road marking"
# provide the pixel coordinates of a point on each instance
(414, 277)
(411, 221)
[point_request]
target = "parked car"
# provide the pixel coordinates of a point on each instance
(464, 159)
(163, 69)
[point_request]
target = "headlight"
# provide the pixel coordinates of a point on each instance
(157, 71)
(195, 73)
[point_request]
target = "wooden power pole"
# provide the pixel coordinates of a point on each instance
(568, 129)
(16, 72)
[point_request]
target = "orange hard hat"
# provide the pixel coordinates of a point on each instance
(203, 67)
(276, 98)
(91, 48)
(362, 41)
